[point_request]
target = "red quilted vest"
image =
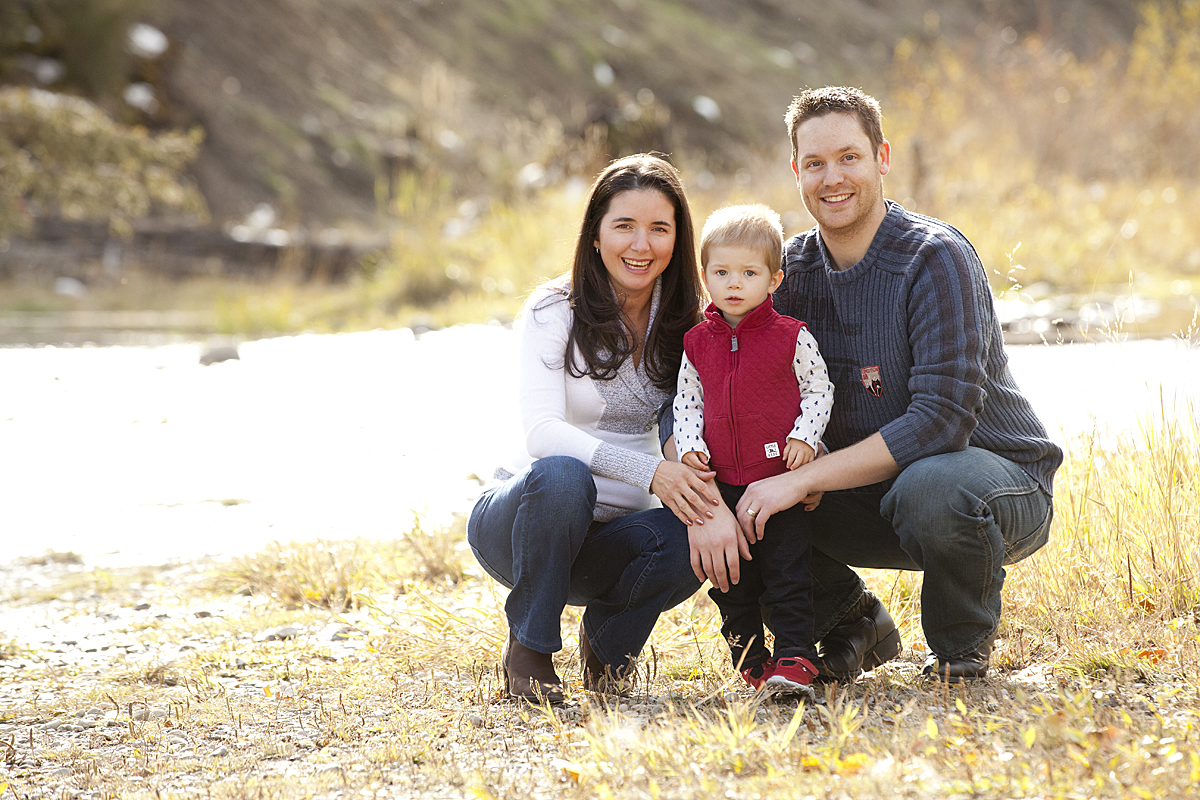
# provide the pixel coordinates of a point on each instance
(751, 398)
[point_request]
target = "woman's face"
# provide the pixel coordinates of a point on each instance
(636, 241)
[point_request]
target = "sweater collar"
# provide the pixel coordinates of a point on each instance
(884, 234)
(755, 319)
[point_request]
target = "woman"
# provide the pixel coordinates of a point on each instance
(575, 520)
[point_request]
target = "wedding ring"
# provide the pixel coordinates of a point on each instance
(752, 512)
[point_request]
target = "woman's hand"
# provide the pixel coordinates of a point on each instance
(715, 549)
(771, 495)
(685, 491)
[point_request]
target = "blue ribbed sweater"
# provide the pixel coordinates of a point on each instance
(918, 308)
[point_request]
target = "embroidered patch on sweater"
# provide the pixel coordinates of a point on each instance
(871, 380)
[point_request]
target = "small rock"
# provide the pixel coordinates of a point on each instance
(215, 355)
(220, 751)
(70, 287)
(287, 632)
(474, 720)
(203, 614)
(241, 663)
(141, 607)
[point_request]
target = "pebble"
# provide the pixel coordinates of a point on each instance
(285, 632)
(215, 355)
(220, 751)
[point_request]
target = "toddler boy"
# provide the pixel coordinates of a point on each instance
(753, 400)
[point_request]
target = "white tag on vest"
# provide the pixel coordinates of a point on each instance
(772, 449)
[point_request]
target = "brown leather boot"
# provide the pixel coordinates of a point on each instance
(597, 676)
(529, 674)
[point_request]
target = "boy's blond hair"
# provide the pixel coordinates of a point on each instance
(755, 226)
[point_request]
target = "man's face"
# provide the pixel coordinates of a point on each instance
(840, 178)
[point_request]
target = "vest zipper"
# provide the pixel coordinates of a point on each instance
(737, 453)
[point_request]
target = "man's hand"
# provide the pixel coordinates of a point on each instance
(772, 495)
(690, 494)
(797, 453)
(715, 549)
(696, 460)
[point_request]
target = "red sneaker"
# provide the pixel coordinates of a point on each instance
(757, 676)
(792, 675)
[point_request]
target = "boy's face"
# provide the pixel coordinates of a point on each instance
(739, 280)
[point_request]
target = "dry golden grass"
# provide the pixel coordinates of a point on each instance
(387, 682)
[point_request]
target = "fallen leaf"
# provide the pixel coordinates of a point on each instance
(571, 769)
(853, 764)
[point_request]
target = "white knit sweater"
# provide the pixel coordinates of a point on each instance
(612, 426)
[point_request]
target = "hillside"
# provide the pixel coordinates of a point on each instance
(314, 107)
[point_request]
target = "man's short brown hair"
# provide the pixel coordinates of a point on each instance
(754, 226)
(813, 103)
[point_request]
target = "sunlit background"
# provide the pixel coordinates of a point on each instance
(181, 178)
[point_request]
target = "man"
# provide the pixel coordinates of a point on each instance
(937, 462)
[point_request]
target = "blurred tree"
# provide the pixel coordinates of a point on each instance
(89, 37)
(63, 155)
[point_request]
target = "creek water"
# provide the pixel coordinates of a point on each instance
(142, 455)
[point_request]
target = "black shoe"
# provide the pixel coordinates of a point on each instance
(529, 675)
(865, 638)
(971, 667)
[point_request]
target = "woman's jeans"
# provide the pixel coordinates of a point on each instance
(535, 535)
(959, 516)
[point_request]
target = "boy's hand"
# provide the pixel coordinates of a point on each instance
(796, 453)
(696, 460)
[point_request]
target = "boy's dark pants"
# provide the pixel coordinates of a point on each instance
(778, 580)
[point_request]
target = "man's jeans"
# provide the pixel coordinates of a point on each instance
(535, 535)
(960, 517)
